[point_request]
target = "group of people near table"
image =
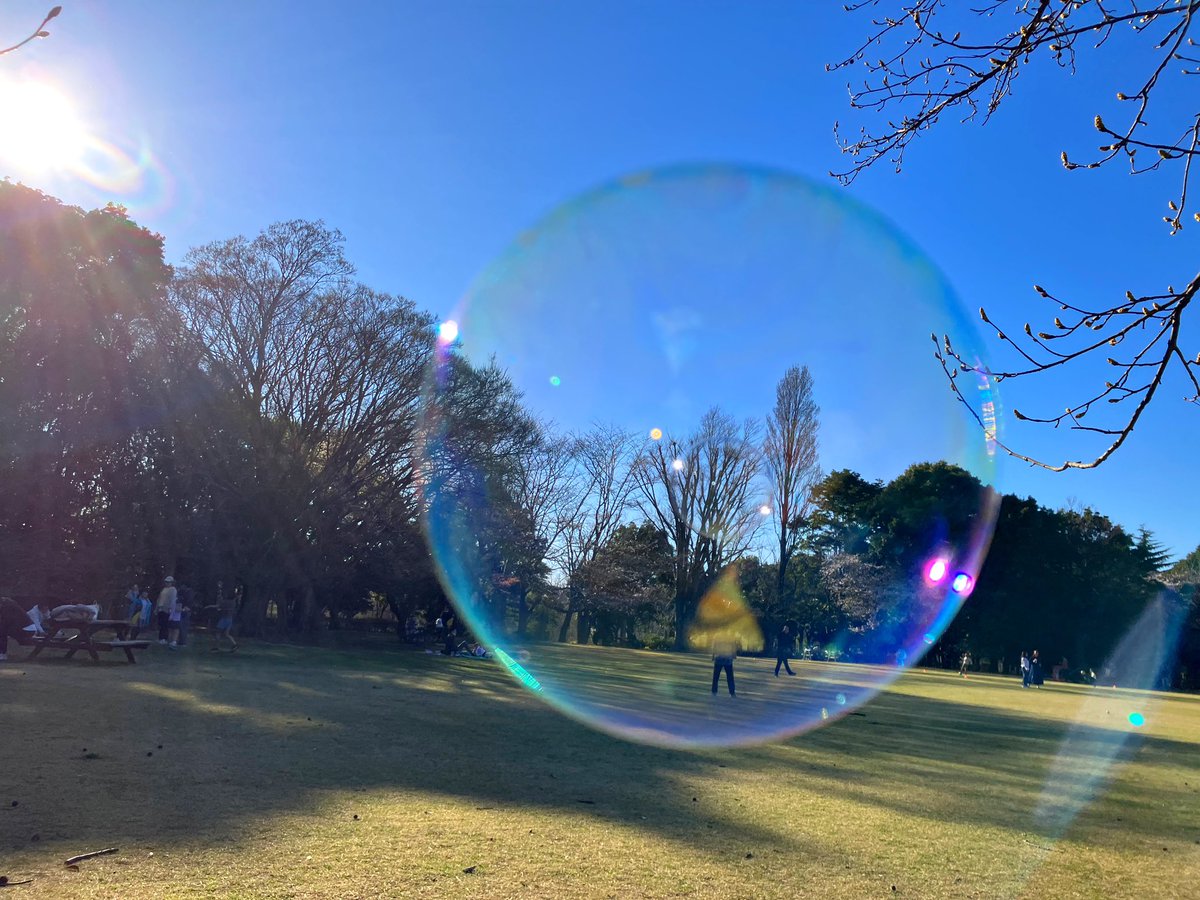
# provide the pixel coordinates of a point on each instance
(171, 612)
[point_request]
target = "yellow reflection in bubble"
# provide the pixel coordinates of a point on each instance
(723, 617)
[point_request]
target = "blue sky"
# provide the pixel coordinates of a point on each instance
(432, 134)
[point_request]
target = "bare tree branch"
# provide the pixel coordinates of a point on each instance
(918, 68)
(39, 32)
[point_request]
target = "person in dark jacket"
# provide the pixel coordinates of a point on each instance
(1035, 670)
(724, 652)
(783, 649)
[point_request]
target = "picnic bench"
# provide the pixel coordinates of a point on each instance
(58, 636)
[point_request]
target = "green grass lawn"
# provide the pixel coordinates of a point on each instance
(289, 772)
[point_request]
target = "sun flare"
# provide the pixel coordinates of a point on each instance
(40, 129)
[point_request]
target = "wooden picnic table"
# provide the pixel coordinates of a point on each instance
(84, 637)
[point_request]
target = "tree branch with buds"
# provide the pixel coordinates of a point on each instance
(39, 32)
(921, 70)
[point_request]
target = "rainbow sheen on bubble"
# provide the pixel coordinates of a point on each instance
(640, 307)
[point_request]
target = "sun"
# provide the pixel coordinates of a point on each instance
(39, 129)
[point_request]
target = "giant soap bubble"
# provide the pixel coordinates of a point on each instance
(645, 326)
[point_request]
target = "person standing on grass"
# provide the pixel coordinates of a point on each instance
(135, 604)
(1035, 670)
(226, 607)
(13, 622)
(147, 609)
(964, 663)
(783, 649)
(167, 600)
(724, 651)
(1024, 669)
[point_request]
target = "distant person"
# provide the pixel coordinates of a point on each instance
(1025, 670)
(13, 622)
(1035, 670)
(226, 608)
(133, 602)
(147, 609)
(783, 649)
(167, 600)
(187, 597)
(38, 614)
(964, 664)
(135, 618)
(724, 651)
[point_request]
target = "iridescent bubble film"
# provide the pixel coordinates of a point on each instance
(612, 525)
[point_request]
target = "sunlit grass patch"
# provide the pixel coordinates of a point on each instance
(306, 773)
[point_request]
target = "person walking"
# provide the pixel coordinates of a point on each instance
(226, 608)
(964, 664)
(1024, 669)
(724, 651)
(168, 598)
(783, 649)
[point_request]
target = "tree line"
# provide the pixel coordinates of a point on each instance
(259, 417)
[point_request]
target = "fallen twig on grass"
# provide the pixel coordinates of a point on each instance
(4, 882)
(1039, 846)
(82, 856)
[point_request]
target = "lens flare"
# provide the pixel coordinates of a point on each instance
(1092, 746)
(962, 583)
(936, 571)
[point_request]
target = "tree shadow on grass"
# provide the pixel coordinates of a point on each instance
(188, 746)
(193, 747)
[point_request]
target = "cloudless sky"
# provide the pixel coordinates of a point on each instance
(432, 134)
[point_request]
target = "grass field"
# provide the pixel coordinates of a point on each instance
(284, 772)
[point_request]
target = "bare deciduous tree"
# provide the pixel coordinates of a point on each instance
(790, 456)
(603, 464)
(700, 494)
(328, 375)
(543, 487)
(926, 59)
(250, 300)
